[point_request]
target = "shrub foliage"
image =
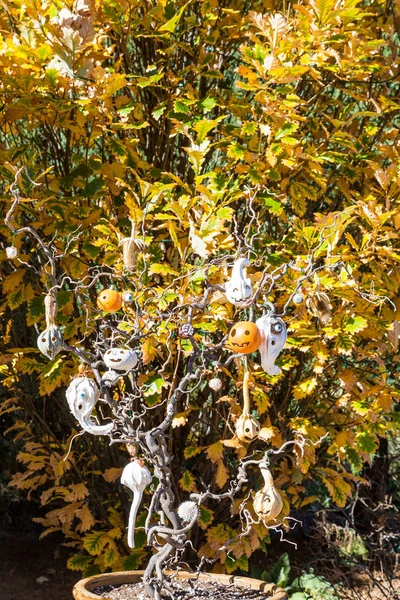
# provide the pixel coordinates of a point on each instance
(222, 128)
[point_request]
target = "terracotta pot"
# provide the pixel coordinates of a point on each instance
(83, 589)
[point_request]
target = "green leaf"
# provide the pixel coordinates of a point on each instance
(367, 442)
(232, 564)
(203, 127)
(355, 324)
(188, 482)
(271, 203)
(172, 23)
(78, 562)
(162, 269)
(206, 517)
(95, 541)
(191, 451)
(207, 104)
(281, 570)
(134, 560)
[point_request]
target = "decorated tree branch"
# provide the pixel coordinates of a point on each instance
(199, 260)
(111, 367)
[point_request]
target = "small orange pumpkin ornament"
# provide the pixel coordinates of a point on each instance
(244, 337)
(109, 301)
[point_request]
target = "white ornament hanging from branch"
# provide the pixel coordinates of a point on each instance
(273, 332)
(82, 395)
(238, 289)
(267, 502)
(136, 477)
(247, 427)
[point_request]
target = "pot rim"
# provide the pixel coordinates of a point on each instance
(83, 588)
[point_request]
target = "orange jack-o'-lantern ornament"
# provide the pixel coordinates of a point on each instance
(244, 337)
(109, 301)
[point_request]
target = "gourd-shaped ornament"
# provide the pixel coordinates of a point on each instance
(247, 427)
(50, 341)
(238, 289)
(273, 332)
(82, 395)
(136, 477)
(267, 502)
(131, 247)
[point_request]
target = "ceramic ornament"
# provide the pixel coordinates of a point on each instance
(50, 341)
(136, 477)
(244, 337)
(298, 298)
(127, 297)
(238, 289)
(215, 384)
(82, 395)
(109, 301)
(273, 332)
(267, 502)
(120, 359)
(11, 252)
(131, 248)
(188, 511)
(247, 427)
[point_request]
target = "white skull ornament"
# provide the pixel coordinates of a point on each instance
(120, 359)
(82, 395)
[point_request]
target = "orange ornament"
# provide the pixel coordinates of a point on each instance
(109, 301)
(244, 337)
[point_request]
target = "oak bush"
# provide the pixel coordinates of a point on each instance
(222, 129)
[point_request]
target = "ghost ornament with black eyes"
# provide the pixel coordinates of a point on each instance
(238, 289)
(273, 333)
(82, 395)
(120, 359)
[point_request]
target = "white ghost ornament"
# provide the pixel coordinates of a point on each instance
(273, 332)
(238, 289)
(120, 359)
(82, 395)
(136, 477)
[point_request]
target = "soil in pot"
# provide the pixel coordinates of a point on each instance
(185, 590)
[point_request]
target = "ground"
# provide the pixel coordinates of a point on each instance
(34, 570)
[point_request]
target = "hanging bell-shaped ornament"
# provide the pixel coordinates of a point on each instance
(267, 502)
(247, 428)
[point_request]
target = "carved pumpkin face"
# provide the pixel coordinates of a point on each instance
(109, 301)
(244, 337)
